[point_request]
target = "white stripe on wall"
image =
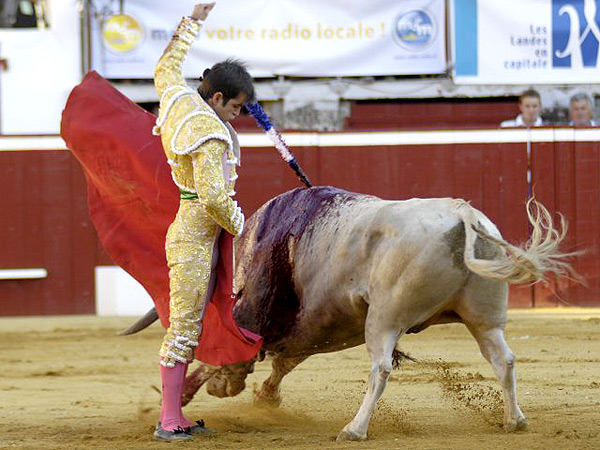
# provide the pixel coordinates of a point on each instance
(23, 274)
(18, 143)
(362, 139)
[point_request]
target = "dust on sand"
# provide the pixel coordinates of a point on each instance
(71, 383)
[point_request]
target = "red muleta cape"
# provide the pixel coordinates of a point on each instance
(133, 200)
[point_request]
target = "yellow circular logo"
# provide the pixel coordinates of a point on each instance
(122, 33)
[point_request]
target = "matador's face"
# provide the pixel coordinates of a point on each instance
(230, 110)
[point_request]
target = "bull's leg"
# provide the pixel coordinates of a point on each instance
(484, 313)
(380, 345)
(195, 380)
(495, 349)
(269, 391)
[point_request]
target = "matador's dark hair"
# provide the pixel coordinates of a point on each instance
(230, 77)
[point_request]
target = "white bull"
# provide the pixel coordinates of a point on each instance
(321, 269)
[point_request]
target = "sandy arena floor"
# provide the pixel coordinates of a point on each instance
(71, 383)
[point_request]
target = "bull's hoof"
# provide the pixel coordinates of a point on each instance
(264, 401)
(516, 425)
(348, 435)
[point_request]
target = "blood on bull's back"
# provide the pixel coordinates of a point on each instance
(272, 301)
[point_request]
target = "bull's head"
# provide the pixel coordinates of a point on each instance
(226, 381)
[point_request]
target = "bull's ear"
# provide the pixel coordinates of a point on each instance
(261, 355)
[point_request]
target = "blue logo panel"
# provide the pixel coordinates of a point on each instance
(466, 47)
(575, 33)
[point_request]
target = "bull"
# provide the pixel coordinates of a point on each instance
(321, 269)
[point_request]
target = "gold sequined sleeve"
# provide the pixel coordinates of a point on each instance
(168, 71)
(211, 186)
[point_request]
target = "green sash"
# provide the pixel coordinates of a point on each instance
(184, 195)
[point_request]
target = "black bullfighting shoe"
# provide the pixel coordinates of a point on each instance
(199, 429)
(179, 434)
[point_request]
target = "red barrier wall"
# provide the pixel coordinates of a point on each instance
(45, 221)
(435, 114)
(45, 224)
(566, 179)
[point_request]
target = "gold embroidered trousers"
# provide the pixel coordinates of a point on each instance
(190, 246)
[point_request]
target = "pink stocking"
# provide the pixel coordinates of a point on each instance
(172, 379)
(186, 423)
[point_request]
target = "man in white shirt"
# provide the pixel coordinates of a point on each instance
(581, 111)
(530, 105)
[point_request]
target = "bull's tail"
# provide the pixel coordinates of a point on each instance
(514, 264)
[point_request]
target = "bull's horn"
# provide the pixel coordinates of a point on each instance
(149, 318)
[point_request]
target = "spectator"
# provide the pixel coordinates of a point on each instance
(8, 13)
(581, 111)
(23, 14)
(530, 105)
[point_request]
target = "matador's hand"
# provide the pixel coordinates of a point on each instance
(237, 219)
(201, 11)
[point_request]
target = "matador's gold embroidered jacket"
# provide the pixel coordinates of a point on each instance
(200, 151)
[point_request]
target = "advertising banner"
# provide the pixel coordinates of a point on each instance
(276, 37)
(526, 41)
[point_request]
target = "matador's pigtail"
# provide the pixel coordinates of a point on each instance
(264, 122)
